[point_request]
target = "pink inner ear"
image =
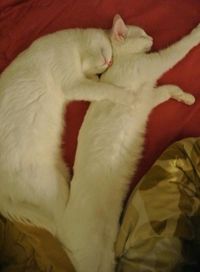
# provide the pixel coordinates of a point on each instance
(119, 28)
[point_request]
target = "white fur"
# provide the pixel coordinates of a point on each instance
(110, 144)
(34, 89)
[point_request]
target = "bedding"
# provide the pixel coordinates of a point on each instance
(26, 249)
(160, 225)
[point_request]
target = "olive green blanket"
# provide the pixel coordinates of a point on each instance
(160, 226)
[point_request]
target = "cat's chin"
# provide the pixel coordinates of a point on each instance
(148, 47)
(148, 50)
(94, 77)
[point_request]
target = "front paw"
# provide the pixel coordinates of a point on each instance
(188, 99)
(185, 98)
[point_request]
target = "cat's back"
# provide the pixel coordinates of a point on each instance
(40, 55)
(34, 70)
(27, 95)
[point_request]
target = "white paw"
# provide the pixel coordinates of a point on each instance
(186, 98)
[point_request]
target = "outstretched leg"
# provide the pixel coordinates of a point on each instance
(160, 62)
(165, 92)
(89, 90)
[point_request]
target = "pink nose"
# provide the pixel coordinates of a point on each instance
(109, 63)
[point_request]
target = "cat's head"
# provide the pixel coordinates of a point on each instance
(97, 53)
(130, 39)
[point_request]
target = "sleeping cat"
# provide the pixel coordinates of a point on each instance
(34, 89)
(110, 144)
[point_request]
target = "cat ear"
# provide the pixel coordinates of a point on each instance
(119, 29)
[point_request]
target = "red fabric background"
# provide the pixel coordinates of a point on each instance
(22, 21)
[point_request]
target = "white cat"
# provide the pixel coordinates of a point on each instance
(33, 92)
(110, 144)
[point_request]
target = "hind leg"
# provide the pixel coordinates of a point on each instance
(36, 196)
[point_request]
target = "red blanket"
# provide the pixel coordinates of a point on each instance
(22, 21)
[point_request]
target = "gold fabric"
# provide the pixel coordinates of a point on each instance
(160, 230)
(28, 249)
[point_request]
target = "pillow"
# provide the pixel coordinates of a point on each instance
(160, 225)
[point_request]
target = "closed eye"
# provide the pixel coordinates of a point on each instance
(103, 53)
(103, 56)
